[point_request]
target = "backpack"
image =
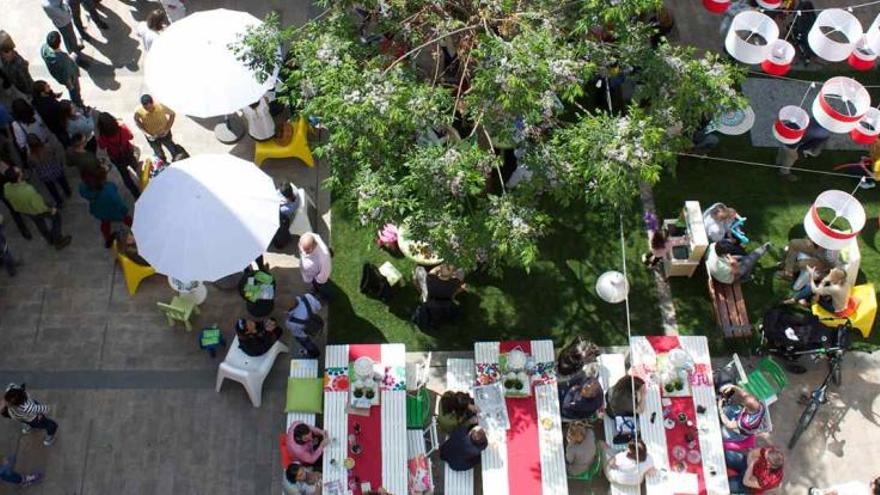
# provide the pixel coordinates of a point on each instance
(313, 324)
(373, 284)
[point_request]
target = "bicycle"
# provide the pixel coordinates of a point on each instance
(819, 395)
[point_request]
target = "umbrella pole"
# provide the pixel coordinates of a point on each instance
(231, 130)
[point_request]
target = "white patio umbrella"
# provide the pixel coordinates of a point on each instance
(191, 69)
(206, 217)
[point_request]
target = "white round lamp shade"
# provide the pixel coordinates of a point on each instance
(612, 287)
(779, 58)
(750, 37)
(840, 104)
(872, 35)
(834, 34)
(868, 128)
(863, 56)
(716, 6)
(842, 205)
(791, 124)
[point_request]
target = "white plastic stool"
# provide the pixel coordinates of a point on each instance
(250, 371)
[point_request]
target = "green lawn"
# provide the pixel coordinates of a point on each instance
(557, 298)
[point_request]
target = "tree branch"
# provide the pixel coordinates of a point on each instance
(427, 43)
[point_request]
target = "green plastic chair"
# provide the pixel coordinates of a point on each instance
(418, 409)
(594, 470)
(767, 381)
(180, 309)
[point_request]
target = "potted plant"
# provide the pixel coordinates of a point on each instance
(358, 393)
(369, 394)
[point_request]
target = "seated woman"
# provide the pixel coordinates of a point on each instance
(580, 448)
(757, 470)
(300, 480)
(444, 283)
(832, 293)
(619, 400)
(255, 338)
(741, 417)
(718, 220)
(581, 396)
(456, 409)
(630, 467)
(804, 253)
(305, 443)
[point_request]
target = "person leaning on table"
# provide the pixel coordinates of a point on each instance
(464, 447)
(300, 480)
(629, 467)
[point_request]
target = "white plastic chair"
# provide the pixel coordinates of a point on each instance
(301, 223)
(250, 371)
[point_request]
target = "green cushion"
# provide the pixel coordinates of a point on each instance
(304, 395)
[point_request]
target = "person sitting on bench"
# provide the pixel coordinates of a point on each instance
(803, 253)
(727, 267)
(832, 293)
(255, 338)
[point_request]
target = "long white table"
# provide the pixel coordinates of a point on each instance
(665, 481)
(552, 457)
(393, 425)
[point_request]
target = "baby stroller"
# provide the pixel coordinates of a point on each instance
(790, 334)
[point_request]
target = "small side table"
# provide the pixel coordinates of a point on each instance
(210, 339)
(194, 291)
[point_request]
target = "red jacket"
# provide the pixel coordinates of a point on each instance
(119, 146)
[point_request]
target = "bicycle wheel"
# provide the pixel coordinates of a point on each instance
(804, 421)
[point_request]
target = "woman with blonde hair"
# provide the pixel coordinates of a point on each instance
(580, 448)
(832, 292)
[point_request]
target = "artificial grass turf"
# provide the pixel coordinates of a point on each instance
(556, 298)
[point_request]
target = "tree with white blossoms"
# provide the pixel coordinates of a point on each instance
(423, 99)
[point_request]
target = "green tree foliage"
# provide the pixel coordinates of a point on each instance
(422, 97)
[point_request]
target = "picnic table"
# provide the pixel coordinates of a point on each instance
(379, 430)
(528, 457)
(684, 466)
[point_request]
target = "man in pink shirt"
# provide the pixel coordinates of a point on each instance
(315, 263)
(306, 443)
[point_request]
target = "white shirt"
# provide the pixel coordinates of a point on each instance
(147, 35)
(625, 471)
(261, 126)
(317, 265)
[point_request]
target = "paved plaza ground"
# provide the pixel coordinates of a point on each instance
(135, 399)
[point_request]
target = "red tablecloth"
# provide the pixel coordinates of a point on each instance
(523, 443)
(677, 435)
(368, 465)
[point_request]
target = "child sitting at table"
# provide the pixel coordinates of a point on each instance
(741, 417)
(255, 338)
(456, 409)
(580, 448)
(630, 467)
(300, 480)
(757, 470)
(581, 396)
(305, 443)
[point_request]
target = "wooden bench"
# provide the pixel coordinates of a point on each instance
(730, 309)
(459, 378)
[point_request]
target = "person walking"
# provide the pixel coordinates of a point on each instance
(6, 258)
(812, 144)
(14, 66)
(155, 120)
(27, 201)
(76, 7)
(302, 319)
(150, 29)
(16, 216)
(315, 263)
(48, 165)
(62, 67)
(59, 13)
(21, 407)
(46, 104)
(115, 137)
(9, 475)
(105, 204)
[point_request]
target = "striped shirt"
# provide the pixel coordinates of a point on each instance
(28, 411)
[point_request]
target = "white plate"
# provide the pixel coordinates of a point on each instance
(669, 424)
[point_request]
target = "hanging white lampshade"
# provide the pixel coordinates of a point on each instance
(791, 124)
(872, 35)
(834, 234)
(836, 23)
(868, 128)
(770, 4)
(716, 6)
(840, 104)
(612, 287)
(863, 56)
(750, 36)
(779, 59)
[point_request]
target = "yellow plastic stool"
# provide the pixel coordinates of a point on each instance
(862, 318)
(298, 147)
(133, 272)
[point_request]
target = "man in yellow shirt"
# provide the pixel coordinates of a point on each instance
(25, 200)
(155, 120)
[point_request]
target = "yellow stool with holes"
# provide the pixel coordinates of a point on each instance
(133, 272)
(298, 147)
(863, 315)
